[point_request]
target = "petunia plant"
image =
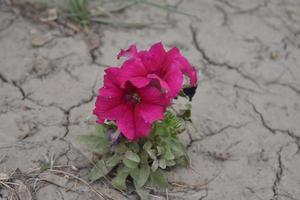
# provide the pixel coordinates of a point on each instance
(137, 131)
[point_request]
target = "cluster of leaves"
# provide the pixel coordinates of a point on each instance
(142, 162)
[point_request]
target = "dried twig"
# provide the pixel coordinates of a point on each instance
(81, 180)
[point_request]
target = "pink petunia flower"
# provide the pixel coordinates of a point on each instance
(158, 68)
(134, 109)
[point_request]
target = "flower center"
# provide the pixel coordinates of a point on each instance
(132, 98)
(136, 97)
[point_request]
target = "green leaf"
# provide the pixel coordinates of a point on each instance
(170, 163)
(130, 164)
(44, 166)
(151, 153)
(183, 161)
(143, 194)
(185, 113)
(182, 94)
(110, 125)
(159, 150)
(161, 130)
(100, 131)
(121, 148)
(113, 161)
(171, 124)
(96, 144)
(132, 156)
(177, 147)
(162, 163)
(158, 179)
(147, 145)
(135, 174)
(141, 175)
(144, 157)
(119, 181)
(98, 171)
(168, 155)
(154, 165)
(134, 147)
(79, 11)
(144, 175)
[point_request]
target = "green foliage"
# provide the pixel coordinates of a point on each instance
(140, 175)
(132, 156)
(44, 166)
(99, 170)
(121, 148)
(135, 147)
(119, 181)
(79, 11)
(113, 161)
(97, 142)
(171, 124)
(100, 131)
(157, 178)
(130, 164)
(154, 165)
(185, 114)
(143, 161)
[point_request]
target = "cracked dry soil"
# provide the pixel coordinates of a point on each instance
(245, 143)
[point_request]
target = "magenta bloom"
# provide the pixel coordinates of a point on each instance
(161, 69)
(134, 109)
(137, 94)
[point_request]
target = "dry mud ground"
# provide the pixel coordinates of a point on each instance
(246, 140)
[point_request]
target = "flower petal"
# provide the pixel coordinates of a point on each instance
(154, 57)
(142, 127)
(159, 83)
(139, 82)
(174, 57)
(104, 107)
(133, 70)
(150, 112)
(193, 76)
(110, 92)
(130, 52)
(110, 95)
(131, 124)
(111, 77)
(174, 78)
(153, 95)
(125, 121)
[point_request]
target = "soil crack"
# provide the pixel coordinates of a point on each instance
(213, 133)
(278, 177)
(219, 64)
(276, 130)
